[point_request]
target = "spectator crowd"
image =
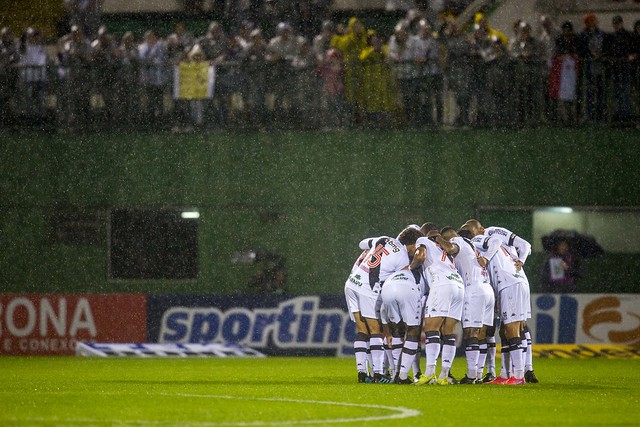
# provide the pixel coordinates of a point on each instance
(423, 76)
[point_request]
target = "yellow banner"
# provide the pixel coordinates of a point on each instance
(194, 80)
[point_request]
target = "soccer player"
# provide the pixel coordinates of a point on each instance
(444, 304)
(520, 250)
(402, 297)
(362, 292)
(479, 299)
(511, 286)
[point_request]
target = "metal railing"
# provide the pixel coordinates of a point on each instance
(504, 92)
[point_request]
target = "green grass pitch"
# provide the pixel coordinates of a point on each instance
(70, 391)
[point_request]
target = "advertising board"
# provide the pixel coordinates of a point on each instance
(320, 325)
(47, 324)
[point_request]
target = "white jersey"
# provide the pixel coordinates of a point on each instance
(522, 247)
(467, 264)
(439, 267)
(372, 268)
(370, 242)
(491, 245)
(503, 270)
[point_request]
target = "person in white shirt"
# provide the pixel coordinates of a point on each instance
(362, 292)
(479, 300)
(507, 253)
(444, 305)
(402, 299)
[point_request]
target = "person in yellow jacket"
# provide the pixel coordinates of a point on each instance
(379, 87)
(350, 45)
(481, 19)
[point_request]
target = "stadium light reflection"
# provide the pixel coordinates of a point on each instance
(190, 215)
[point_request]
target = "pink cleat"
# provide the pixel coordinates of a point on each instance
(514, 381)
(498, 380)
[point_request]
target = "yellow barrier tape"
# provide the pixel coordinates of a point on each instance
(585, 351)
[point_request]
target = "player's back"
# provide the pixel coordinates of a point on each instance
(521, 247)
(503, 270)
(440, 269)
(374, 266)
(466, 262)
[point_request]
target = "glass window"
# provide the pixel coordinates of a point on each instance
(616, 230)
(153, 244)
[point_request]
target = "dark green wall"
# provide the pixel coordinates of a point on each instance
(308, 196)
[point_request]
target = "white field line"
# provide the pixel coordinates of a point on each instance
(397, 413)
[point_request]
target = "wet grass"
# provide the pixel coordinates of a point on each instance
(71, 391)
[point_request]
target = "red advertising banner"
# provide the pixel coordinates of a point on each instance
(42, 324)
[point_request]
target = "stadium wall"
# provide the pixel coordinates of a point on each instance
(308, 325)
(309, 197)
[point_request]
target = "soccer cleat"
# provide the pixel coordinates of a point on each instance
(498, 380)
(425, 380)
(364, 378)
(444, 381)
(514, 381)
(530, 377)
(451, 379)
(397, 380)
(488, 378)
(467, 380)
(381, 379)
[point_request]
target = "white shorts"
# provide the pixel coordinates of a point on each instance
(513, 303)
(402, 300)
(479, 307)
(368, 306)
(445, 301)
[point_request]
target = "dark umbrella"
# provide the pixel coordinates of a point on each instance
(583, 244)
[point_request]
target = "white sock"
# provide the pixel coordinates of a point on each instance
(396, 353)
(515, 351)
(482, 357)
(448, 354)
(523, 346)
(369, 359)
(377, 353)
(387, 361)
(360, 349)
(416, 363)
(431, 352)
(528, 365)
(491, 355)
(472, 353)
(505, 366)
(409, 351)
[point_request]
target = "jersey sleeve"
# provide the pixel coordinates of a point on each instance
(422, 241)
(488, 245)
(522, 247)
(367, 243)
(457, 240)
(501, 233)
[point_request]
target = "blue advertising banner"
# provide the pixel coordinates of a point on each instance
(276, 325)
(315, 325)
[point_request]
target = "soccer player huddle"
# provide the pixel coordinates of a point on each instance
(425, 280)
